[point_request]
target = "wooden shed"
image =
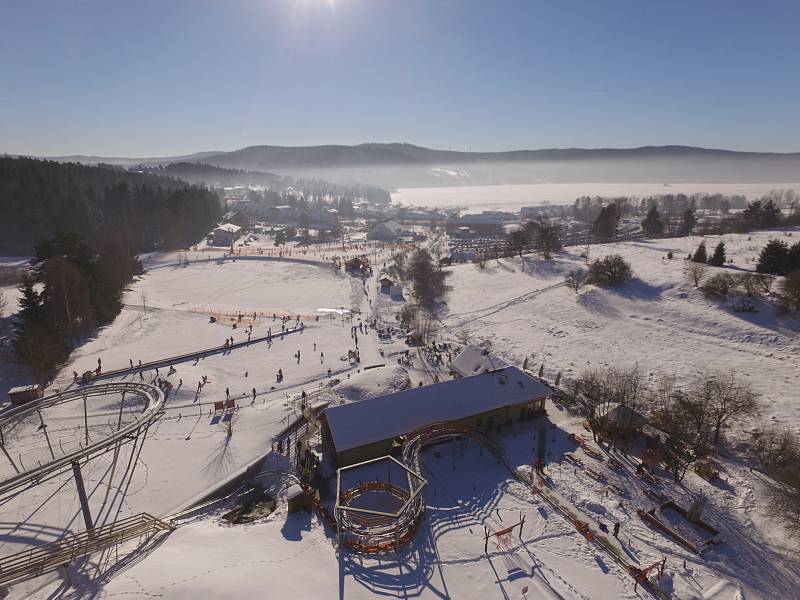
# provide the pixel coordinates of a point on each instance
(298, 499)
(25, 393)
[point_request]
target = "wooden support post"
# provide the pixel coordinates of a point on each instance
(43, 427)
(8, 456)
(86, 419)
(87, 515)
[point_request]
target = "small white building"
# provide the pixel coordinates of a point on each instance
(226, 234)
(474, 360)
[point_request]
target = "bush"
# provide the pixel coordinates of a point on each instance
(719, 286)
(790, 290)
(610, 270)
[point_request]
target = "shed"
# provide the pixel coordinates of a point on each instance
(25, 393)
(298, 499)
(386, 284)
(621, 418)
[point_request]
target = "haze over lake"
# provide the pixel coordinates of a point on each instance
(512, 197)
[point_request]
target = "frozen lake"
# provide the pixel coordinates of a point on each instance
(512, 197)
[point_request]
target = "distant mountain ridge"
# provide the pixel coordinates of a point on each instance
(407, 165)
(397, 154)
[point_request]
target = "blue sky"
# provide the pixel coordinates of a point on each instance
(143, 78)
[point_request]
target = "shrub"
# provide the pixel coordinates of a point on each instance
(610, 270)
(719, 286)
(790, 290)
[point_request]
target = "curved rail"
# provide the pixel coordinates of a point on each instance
(384, 533)
(153, 397)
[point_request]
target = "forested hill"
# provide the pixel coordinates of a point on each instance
(215, 176)
(39, 197)
(211, 175)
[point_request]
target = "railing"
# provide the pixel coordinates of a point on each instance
(38, 560)
(153, 397)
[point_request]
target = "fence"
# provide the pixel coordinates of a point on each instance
(38, 560)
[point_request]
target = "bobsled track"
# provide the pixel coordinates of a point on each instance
(151, 397)
(373, 531)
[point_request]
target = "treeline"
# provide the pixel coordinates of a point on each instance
(777, 259)
(39, 198)
(74, 287)
(311, 189)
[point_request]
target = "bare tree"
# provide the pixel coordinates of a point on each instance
(577, 278)
(548, 236)
(750, 284)
(775, 448)
(725, 400)
(683, 421)
(765, 282)
(695, 272)
(778, 453)
(519, 239)
(597, 390)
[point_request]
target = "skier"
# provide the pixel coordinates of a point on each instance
(616, 529)
(227, 394)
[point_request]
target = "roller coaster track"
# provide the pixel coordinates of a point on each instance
(41, 559)
(154, 402)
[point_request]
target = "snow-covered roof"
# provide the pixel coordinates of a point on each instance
(390, 226)
(472, 360)
(361, 423)
(621, 416)
(229, 227)
(23, 388)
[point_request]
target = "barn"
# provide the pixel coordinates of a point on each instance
(359, 431)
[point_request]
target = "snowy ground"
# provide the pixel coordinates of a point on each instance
(658, 321)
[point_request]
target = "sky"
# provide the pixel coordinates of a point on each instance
(155, 78)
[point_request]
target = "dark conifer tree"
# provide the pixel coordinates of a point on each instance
(773, 258)
(718, 258)
(700, 255)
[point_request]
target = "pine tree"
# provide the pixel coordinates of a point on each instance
(652, 224)
(688, 223)
(793, 259)
(718, 258)
(774, 258)
(700, 255)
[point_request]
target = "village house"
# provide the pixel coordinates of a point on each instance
(225, 235)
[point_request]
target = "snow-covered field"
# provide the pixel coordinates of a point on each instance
(513, 197)
(658, 322)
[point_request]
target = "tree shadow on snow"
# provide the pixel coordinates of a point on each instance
(595, 302)
(636, 289)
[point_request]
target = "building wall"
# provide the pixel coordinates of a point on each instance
(488, 421)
